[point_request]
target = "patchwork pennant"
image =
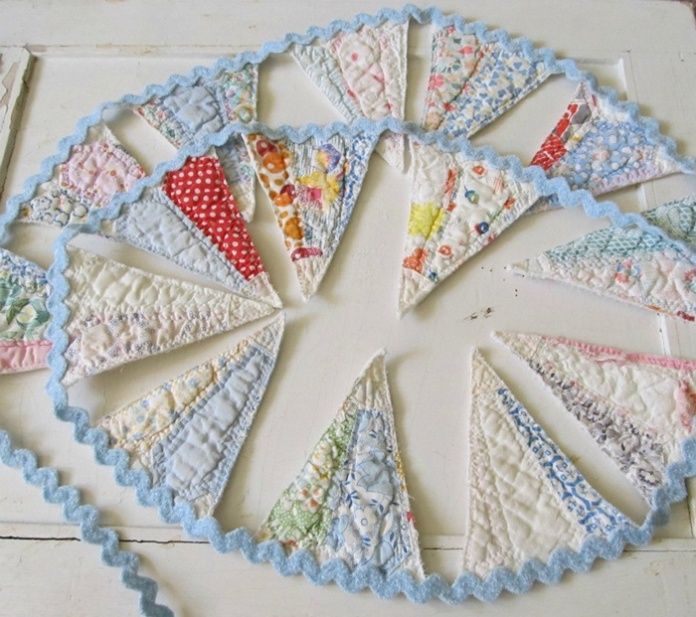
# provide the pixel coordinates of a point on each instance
(93, 174)
(598, 146)
(192, 219)
(526, 499)
(638, 407)
(363, 73)
(630, 264)
(350, 500)
(208, 106)
(313, 187)
(187, 433)
(119, 314)
(458, 206)
(473, 82)
(23, 314)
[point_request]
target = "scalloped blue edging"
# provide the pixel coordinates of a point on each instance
(87, 518)
(435, 585)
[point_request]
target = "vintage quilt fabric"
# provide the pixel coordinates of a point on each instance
(350, 501)
(458, 207)
(188, 432)
(119, 314)
(600, 147)
(24, 315)
(638, 407)
(529, 514)
(363, 73)
(472, 82)
(191, 219)
(525, 498)
(207, 106)
(630, 264)
(313, 187)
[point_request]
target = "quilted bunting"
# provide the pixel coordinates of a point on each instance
(473, 82)
(363, 73)
(191, 219)
(313, 187)
(526, 499)
(599, 147)
(458, 206)
(208, 106)
(119, 314)
(350, 500)
(187, 433)
(630, 264)
(23, 314)
(638, 407)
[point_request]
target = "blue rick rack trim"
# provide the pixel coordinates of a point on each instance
(435, 585)
(87, 517)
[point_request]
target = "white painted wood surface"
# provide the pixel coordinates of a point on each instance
(86, 52)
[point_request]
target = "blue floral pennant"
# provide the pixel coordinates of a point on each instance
(598, 146)
(629, 264)
(350, 501)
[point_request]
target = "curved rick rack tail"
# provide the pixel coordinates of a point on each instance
(87, 518)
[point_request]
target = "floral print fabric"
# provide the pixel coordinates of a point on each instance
(637, 407)
(363, 73)
(598, 147)
(313, 187)
(94, 173)
(208, 106)
(187, 433)
(458, 206)
(630, 264)
(350, 500)
(473, 82)
(23, 314)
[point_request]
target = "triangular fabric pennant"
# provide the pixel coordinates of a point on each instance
(638, 407)
(192, 219)
(120, 314)
(23, 314)
(526, 499)
(208, 106)
(363, 73)
(93, 174)
(350, 500)
(599, 147)
(629, 264)
(187, 433)
(313, 187)
(458, 206)
(473, 82)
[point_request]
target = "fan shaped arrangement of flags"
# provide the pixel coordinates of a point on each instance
(526, 502)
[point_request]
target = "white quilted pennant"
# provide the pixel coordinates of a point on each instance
(119, 314)
(526, 499)
(458, 206)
